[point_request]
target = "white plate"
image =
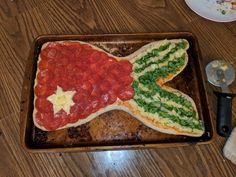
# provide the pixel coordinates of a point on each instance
(210, 10)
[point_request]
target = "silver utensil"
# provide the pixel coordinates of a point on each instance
(221, 79)
(222, 74)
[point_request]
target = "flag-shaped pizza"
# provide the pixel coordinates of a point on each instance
(76, 81)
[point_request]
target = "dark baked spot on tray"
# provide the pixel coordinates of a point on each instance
(39, 136)
(80, 133)
(113, 125)
(120, 49)
(73, 132)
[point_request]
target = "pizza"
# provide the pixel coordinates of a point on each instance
(76, 81)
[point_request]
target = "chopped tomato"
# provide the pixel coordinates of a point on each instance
(43, 105)
(126, 80)
(86, 86)
(43, 118)
(40, 90)
(126, 66)
(112, 97)
(44, 76)
(105, 86)
(43, 91)
(126, 94)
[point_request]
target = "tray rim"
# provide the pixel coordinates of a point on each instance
(25, 94)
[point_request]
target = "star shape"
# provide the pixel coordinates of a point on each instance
(61, 100)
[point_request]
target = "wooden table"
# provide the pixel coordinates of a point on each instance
(22, 21)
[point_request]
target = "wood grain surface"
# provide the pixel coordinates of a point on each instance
(23, 20)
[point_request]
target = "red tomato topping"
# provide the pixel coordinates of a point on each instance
(126, 94)
(116, 88)
(105, 86)
(87, 87)
(43, 91)
(49, 53)
(72, 118)
(62, 115)
(97, 78)
(95, 104)
(94, 56)
(53, 124)
(43, 105)
(112, 97)
(126, 66)
(43, 118)
(43, 64)
(126, 80)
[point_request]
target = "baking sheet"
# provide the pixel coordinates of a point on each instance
(114, 129)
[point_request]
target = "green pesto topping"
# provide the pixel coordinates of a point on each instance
(149, 95)
(172, 67)
(160, 109)
(153, 53)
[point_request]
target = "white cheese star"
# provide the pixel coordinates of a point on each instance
(61, 100)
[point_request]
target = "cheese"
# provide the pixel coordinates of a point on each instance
(62, 100)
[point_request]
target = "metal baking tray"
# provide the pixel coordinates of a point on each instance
(115, 129)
